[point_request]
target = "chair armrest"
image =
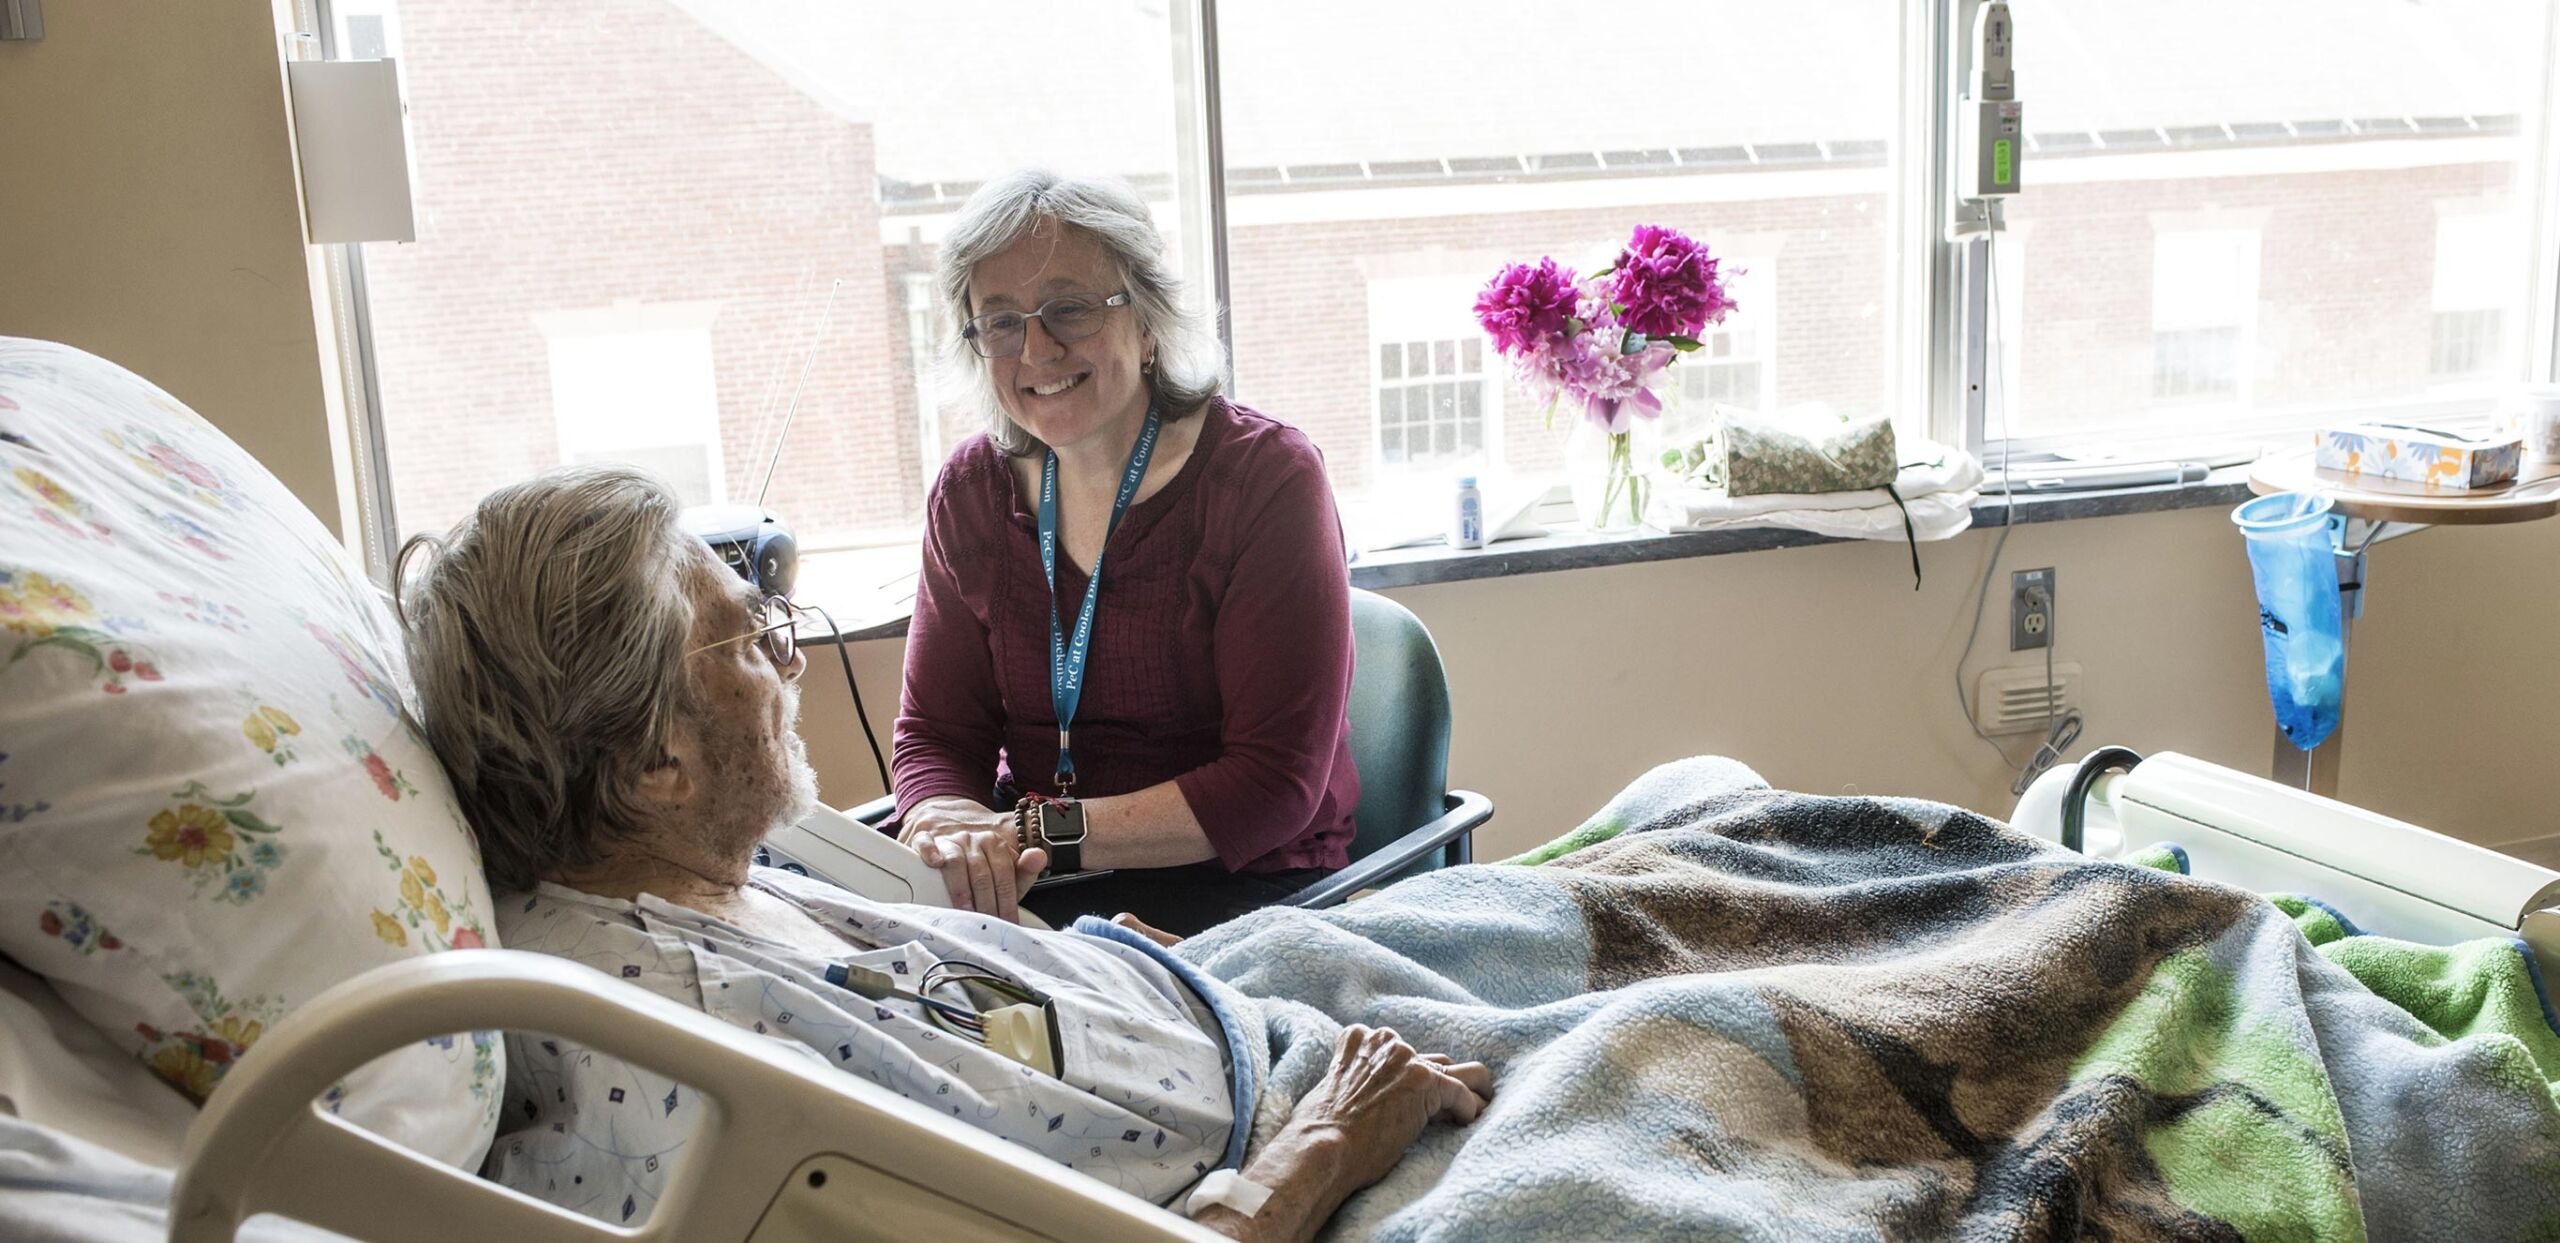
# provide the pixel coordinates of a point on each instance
(1467, 811)
(880, 813)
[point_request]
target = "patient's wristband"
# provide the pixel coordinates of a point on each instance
(1226, 1189)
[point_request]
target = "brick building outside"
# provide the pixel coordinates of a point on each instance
(629, 223)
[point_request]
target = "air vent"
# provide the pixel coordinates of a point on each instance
(2012, 700)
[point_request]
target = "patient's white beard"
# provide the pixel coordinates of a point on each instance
(803, 780)
(755, 781)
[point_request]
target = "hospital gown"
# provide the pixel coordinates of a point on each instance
(1145, 1103)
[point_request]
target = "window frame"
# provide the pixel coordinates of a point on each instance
(1938, 341)
(1961, 413)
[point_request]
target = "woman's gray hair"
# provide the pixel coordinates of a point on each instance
(547, 637)
(1190, 363)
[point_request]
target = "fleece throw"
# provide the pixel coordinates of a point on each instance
(1722, 1011)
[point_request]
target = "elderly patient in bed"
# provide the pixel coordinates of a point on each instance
(617, 712)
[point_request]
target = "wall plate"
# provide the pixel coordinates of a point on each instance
(2030, 623)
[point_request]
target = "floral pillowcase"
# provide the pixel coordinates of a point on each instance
(214, 800)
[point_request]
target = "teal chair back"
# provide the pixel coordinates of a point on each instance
(1399, 712)
(1399, 721)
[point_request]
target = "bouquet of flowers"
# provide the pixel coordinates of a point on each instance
(1599, 344)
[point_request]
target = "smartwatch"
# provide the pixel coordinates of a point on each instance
(1052, 824)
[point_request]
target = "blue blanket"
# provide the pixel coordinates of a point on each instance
(1746, 1014)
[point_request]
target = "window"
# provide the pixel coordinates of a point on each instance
(2471, 292)
(2231, 235)
(1354, 160)
(363, 29)
(2387, 188)
(2204, 297)
(1436, 405)
(634, 384)
(1735, 362)
(1431, 402)
(793, 166)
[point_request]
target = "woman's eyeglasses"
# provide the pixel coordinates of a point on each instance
(773, 621)
(1067, 318)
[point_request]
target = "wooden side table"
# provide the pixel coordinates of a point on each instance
(2364, 512)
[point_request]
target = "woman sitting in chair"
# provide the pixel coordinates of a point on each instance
(1132, 640)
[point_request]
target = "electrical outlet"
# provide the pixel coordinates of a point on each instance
(2030, 609)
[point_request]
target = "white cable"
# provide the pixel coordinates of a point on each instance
(2061, 731)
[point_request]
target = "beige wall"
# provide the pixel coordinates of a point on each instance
(1821, 667)
(149, 213)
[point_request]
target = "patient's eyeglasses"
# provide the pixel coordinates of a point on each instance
(773, 621)
(1068, 318)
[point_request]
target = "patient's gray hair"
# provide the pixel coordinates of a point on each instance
(1190, 363)
(547, 636)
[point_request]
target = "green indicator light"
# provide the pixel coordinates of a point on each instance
(2001, 168)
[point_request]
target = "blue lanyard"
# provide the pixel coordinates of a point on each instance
(1066, 660)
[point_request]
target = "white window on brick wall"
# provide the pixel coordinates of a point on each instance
(1437, 402)
(365, 29)
(2475, 281)
(2204, 298)
(634, 384)
(1736, 362)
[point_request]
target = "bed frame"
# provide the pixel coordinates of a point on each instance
(791, 1151)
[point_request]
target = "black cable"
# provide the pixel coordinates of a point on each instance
(858, 713)
(2075, 799)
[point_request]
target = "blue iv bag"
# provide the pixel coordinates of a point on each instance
(2294, 563)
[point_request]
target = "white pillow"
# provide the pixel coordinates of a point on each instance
(214, 801)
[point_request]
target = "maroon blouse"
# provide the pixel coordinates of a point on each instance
(1220, 658)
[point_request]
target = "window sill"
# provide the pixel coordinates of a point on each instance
(1580, 550)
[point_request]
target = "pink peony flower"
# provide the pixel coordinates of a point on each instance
(1668, 285)
(1525, 306)
(1591, 371)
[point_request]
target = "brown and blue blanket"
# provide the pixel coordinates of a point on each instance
(1723, 1011)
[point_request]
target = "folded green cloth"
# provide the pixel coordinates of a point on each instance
(1762, 457)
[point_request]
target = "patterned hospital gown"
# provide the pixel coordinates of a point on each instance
(1145, 1103)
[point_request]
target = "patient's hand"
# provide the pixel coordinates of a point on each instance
(973, 849)
(1379, 1094)
(1351, 1129)
(1147, 930)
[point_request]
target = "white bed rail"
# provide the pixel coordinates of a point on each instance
(787, 1149)
(2392, 877)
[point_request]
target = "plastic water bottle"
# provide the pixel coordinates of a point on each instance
(1466, 520)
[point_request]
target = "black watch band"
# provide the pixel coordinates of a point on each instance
(1061, 833)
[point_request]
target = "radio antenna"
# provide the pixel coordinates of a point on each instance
(781, 363)
(793, 408)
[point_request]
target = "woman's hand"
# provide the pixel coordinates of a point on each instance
(1379, 1094)
(973, 849)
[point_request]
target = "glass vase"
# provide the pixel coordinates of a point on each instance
(2295, 568)
(1611, 475)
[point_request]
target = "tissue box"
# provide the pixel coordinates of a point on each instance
(2418, 455)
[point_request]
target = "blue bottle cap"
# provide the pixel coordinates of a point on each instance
(1466, 481)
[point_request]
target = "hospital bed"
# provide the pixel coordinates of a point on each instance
(791, 1151)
